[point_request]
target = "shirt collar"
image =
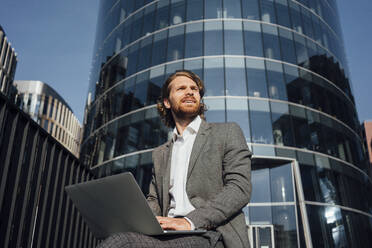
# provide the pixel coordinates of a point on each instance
(192, 128)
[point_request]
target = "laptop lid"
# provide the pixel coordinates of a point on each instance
(114, 204)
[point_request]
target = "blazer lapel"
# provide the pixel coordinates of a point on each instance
(200, 140)
(167, 158)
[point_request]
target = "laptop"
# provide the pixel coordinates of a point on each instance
(116, 204)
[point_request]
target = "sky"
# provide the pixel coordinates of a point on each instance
(54, 41)
(355, 18)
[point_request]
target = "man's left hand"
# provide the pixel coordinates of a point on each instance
(168, 223)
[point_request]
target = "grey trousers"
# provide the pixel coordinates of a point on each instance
(136, 240)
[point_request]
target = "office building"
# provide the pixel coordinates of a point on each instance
(8, 64)
(278, 69)
(34, 169)
(50, 110)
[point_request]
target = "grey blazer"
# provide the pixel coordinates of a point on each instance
(218, 181)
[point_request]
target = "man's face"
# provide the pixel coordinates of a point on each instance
(184, 97)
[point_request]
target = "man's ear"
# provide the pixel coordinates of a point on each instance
(166, 103)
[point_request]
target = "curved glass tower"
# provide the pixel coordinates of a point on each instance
(278, 69)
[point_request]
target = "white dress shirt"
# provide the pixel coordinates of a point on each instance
(180, 204)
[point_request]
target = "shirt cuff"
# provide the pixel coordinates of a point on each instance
(191, 224)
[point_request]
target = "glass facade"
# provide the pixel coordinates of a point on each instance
(49, 110)
(276, 67)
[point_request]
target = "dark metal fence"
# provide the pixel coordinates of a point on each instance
(34, 169)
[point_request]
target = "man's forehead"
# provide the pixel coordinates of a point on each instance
(182, 80)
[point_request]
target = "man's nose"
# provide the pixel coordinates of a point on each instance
(189, 91)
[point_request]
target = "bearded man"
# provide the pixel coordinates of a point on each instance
(201, 177)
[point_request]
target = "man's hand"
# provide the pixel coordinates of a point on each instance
(168, 223)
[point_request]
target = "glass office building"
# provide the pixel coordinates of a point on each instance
(51, 111)
(278, 69)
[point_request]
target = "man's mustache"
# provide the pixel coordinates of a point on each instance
(189, 98)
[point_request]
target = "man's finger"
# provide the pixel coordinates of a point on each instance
(168, 226)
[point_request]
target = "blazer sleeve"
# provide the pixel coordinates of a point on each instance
(236, 192)
(153, 196)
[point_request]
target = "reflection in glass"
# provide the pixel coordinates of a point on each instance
(271, 42)
(317, 29)
(260, 186)
(260, 122)
(235, 77)
(233, 39)
(144, 59)
(124, 31)
(177, 12)
(154, 86)
(327, 224)
(250, 9)
(262, 150)
(138, 4)
(137, 26)
(293, 83)
(213, 38)
(302, 56)
(309, 181)
(260, 215)
(252, 39)
(256, 77)
(232, 9)
(282, 124)
(132, 59)
(171, 68)
(268, 11)
(126, 8)
(194, 10)
(175, 43)
(159, 48)
(281, 183)
(277, 87)
(149, 16)
(122, 137)
(157, 75)
(195, 66)
(308, 27)
(283, 13)
(212, 9)
(194, 40)
(162, 14)
(114, 71)
(140, 93)
(295, 17)
(287, 46)
(237, 111)
(214, 77)
(311, 49)
(216, 110)
(301, 127)
(113, 109)
(129, 86)
(284, 220)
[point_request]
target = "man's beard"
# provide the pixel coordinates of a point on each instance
(183, 112)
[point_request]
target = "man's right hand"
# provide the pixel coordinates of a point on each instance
(169, 223)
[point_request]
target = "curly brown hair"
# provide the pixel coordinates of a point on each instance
(166, 114)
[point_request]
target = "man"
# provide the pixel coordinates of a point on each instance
(201, 177)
